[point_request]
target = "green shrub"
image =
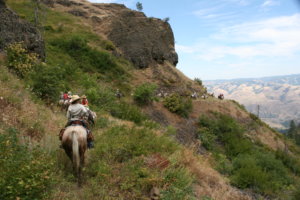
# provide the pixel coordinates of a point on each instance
(19, 59)
(25, 173)
(260, 171)
(108, 45)
(224, 165)
(128, 112)
(145, 93)
(296, 194)
(179, 105)
(289, 161)
(247, 174)
(151, 124)
(198, 81)
(180, 187)
(102, 97)
(252, 166)
(227, 131)
(47, 82)
(208, 139)
(87, 58)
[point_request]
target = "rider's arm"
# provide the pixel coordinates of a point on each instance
(68, 115)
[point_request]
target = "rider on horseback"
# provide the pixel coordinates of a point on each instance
(76, 115)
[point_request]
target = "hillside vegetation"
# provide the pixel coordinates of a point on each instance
(182, 148)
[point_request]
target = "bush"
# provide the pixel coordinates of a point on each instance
(47, 82)
(139, 6)
(252, 166)
(128, 112)
(89, 59)
(25, 174)
(289, 161)
(198, 81)
(208, 139)
(179, 105)
(19, 59)
(227, 131)
(260, 171)
(180, 187)
(102, 97)
(145, 93)
(247, 174)
(224, 165)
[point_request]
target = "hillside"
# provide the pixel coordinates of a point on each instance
(146, 146)
(277, 97)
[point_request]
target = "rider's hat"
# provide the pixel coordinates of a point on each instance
(74, 98)
(83, 97)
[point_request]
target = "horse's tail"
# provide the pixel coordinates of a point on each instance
(75, 150)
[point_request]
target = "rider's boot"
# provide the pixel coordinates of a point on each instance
(90, 139)
(90, 144)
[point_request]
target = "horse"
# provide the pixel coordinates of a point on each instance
(221, 96)
(74, 142)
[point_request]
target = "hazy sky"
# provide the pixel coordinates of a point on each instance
(224, 39)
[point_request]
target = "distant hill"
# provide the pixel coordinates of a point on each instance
(277, 99)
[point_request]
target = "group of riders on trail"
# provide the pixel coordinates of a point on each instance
(78, 114)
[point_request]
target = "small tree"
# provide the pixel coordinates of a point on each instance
(179, 105)
(292, 130)
(145, 94)
(167, 19)
(139, 6)
(199, 81)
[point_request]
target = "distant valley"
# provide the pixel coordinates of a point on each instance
(275, 99)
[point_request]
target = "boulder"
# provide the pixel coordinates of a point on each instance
(144, 41)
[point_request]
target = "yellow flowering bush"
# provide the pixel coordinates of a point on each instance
(19, 59)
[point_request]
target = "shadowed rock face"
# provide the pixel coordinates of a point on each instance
(142, 40)
(13, 29)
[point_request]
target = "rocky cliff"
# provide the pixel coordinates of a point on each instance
(142, 40)
(14, 29)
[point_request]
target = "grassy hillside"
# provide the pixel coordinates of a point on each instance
(133, 154)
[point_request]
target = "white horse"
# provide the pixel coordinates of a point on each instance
(74, 142)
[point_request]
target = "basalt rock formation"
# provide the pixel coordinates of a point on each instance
(142, 40)
(14, 29)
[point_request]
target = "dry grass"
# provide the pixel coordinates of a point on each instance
(18, 110)
(208, 181)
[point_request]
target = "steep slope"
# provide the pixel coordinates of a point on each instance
(135, 154)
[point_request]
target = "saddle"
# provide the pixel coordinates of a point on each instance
(90, 136)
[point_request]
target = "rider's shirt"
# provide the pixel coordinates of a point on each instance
(76, 112)
(85, 102)
(65, 96)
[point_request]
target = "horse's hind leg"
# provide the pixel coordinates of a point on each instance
(80, 175)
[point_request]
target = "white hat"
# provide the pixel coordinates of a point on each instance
(74, 98)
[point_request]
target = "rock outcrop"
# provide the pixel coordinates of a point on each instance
(14, 29)
(142, 40)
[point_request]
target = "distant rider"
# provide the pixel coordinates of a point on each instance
(84, 101)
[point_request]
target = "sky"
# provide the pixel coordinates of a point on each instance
(226, 39)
